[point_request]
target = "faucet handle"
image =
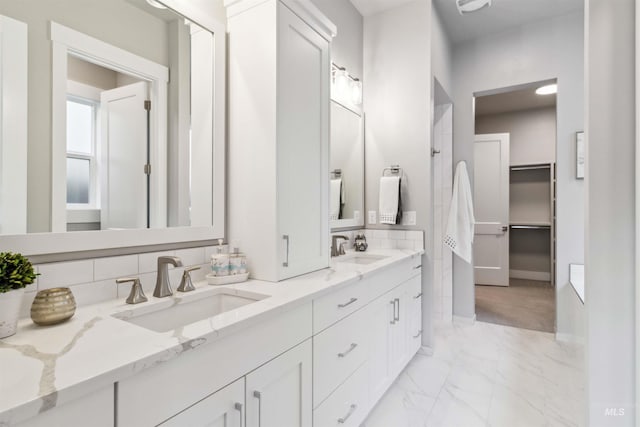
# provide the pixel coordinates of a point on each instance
(136, 295)
(186, 285)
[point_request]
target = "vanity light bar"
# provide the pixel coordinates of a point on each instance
(343, 81)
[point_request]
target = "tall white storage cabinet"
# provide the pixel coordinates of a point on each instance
(279, 75)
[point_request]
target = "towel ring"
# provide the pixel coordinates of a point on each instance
(393, 170)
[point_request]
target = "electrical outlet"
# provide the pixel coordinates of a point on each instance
(356, 215)
(373, 217)
(409, 218)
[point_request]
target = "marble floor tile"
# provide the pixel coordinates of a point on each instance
(490, 376)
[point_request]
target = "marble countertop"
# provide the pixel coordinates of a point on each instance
(43, 367)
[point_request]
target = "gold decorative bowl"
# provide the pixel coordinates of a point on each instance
(53, 306)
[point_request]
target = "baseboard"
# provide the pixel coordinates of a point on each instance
(542, 276)
(461, 320)
(569, 338)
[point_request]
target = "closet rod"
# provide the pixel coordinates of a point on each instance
(528, 168)
(531, 227)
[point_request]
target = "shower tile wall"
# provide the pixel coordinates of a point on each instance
(442, 190)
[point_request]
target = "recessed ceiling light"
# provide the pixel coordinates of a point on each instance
(547, 90)
(468, 6)
(156, 4)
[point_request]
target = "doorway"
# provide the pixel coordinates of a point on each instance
(514, 194)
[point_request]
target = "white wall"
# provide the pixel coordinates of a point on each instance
(346, 47)
(441, 53)
(543, 50)
(610, 178)
(532, 134)
(397, 92)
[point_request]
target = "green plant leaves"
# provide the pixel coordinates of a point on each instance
(16, 271)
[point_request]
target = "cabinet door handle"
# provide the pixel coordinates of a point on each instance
(418, 296)
(351, 348)
(351, 301)
(397, 301)
(393, 302)
(238, 407)
(418, 334)
(258, 396)
(286, 262)
(352, 409)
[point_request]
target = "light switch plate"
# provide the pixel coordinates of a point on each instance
(373, 217)
(409, 218)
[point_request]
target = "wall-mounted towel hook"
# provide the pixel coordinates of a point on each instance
(434, 152)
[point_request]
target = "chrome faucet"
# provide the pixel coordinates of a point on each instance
(336, 249)
(163, 287)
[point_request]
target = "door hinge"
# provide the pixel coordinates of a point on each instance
(147, 105)
(147, 169)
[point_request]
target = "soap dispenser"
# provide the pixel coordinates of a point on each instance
(361, 244)
(220, 261)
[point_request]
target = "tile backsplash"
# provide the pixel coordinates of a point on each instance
(93, 280)
(387, 239)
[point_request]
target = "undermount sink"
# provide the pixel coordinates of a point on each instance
(361, 259)
(185, 309)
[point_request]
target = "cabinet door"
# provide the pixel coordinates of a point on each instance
(279, 393)
(222, 409)
(413, 297)
(380, 318)
(398, 331)
(302, 146)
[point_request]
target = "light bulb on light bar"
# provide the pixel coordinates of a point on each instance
(547, 90)
(468, 6)
(356, 92)
(156, 4)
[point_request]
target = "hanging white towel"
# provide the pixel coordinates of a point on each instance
(336, 199)
(461, 222)
(389, 199)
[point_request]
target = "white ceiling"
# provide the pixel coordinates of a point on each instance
(502, 15)
(517, 100)
(371, 7)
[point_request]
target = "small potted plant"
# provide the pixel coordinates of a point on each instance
(16, 272)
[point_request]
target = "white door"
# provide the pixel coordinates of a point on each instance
(303, 146)
(222, 409)
(380, 316)
(414, 315)
(491, 196)
(279, 393)
(123, 154)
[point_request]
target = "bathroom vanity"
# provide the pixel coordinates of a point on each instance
(319, 349)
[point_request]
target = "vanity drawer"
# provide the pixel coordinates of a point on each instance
(330, 308)
(348, 405)
(337, 352)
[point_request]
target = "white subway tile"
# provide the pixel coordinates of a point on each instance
(114, 267)
(405, 244)
(95, 292)
(193, 256)
(65, 273)
(397, 234)
(148, 281)
(381, 234)
(27, 300)
(149, 262)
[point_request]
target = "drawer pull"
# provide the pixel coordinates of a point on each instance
(418, 334)
(344, 419)
(238, 407)
(397, 301)
(351, 348)
(351, 301)
(393, 322)
(418, 296)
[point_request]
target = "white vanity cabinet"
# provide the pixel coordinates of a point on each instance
(279, 393)
(224, 408)
(279, 75)
(96, 406)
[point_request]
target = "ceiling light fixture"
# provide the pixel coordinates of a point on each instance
(547, 90)
(468, 6)
(156, 4)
